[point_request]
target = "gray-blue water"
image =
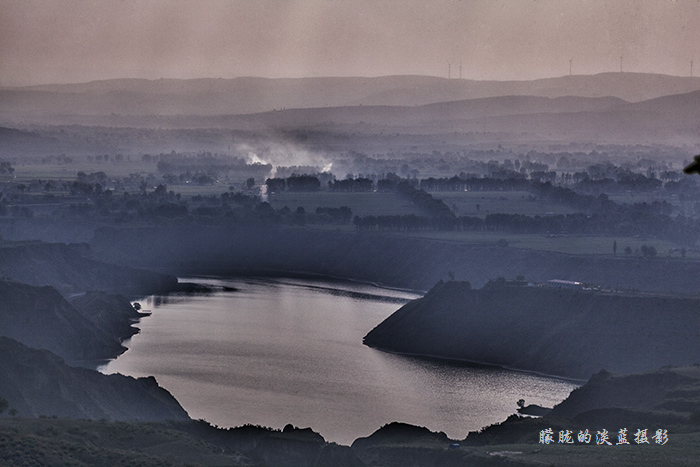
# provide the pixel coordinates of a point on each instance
(290, 351)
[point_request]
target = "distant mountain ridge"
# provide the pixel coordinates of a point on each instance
(426, 114)
(252, 95)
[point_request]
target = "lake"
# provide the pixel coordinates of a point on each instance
(279, 351)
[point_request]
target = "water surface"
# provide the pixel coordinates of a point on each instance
(274, 352)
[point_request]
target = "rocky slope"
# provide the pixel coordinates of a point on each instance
(571, 333)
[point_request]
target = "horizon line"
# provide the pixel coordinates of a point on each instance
(211, 78)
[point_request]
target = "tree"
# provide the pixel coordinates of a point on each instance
(3, 404)
(303, 183)
(521, 403)
(648, 251)
(276, 185)
(614, 247)
(250, 183)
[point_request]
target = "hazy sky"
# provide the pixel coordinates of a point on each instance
(44, 41)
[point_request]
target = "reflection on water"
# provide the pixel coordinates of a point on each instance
(274, 352)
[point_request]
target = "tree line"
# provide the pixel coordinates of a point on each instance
(624, 220)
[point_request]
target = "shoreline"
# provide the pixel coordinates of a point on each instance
(291, 274)
(578, 381)
(447, 427)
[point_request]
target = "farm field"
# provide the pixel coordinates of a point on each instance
(462, 203)
(569, 244)
(26, 171)
(481, 203)
(687, 207)
(631, 198)
(386, 204)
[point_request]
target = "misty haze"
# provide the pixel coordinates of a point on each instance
(480, 265)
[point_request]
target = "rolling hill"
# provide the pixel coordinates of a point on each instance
(253, 95)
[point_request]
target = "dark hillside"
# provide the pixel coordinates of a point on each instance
(37, 382)
(63, 442)
(11, 138)
(390, 260)
(40, 317)
(112, 314)
(570, 333)
(667, 399)
(70, 269)
(49, 441)
(667, 390)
